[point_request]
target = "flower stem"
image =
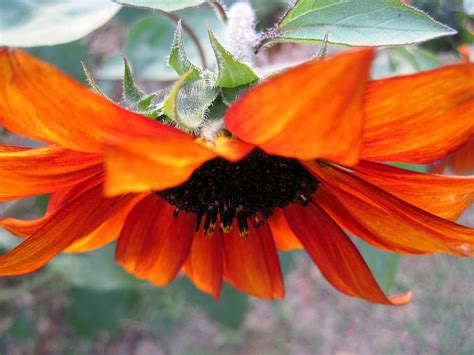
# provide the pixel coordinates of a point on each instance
(192, 35)
(219, 6)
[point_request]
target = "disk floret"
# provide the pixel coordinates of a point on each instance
(247, 191)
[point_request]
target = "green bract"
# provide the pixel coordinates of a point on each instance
(357, 23)
(232, 73)
(178, 58)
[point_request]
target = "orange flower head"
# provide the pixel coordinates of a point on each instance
(299, 162)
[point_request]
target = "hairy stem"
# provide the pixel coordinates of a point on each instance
(219, 6)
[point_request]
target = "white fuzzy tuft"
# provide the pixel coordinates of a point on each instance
(240, 34)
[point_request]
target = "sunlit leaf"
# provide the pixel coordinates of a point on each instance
(358, 23)
(232, 73)
(163, 5)
(30, 23)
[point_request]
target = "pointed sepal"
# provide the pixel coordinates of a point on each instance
(232, 73)
(178, 58)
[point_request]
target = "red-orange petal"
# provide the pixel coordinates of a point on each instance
(40, 102)
(204, 265)
(251, 263)
(374, 225)
(285, 238)
(151, 164)
(153, 244)
(311, 111)
(27, 172)
(461, 161)
(336, 256)
(419, 118)
(72, 222)
(444, 196)
(25, 228)
(392, 218)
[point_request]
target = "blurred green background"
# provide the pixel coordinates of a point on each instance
(86, 304)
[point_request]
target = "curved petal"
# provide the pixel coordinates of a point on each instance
(393, 219)
(151, 164)
(42, 103)
(419, 118)
(458, 162)
(319, 103)
(25, 228)
(285, 238)
(251, 263)
(374, 225)
(204, 265)
(153, 244)
(75, 220)
(336, 256)
(444, 196)
(27, 172)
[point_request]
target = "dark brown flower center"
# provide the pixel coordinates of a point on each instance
(246, 191)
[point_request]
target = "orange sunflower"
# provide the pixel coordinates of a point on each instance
(301, 160)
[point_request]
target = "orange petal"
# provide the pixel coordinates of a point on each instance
(251, 263)
(311, 111)
(75, 220)
(27, 172)
(443, 196)
(459, 162)
(285, 238)
(419, 118)
(153, 244)
(25, 228)
(204, 264)
(374, 225)
(393, 219)
(151, 164)
(336, 256)
(42, 103)
(107, 231)
(229, 148)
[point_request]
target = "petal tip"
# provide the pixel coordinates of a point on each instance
(401, 299)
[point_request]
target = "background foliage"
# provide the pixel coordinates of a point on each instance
(88, 304)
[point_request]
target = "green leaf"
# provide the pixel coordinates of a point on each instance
(357, 23)
(131, 93)
(230, 95)
(163, 5)
(92, 311)
(30, 23)
(178, 58)
(384, 265)
(232, 73)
